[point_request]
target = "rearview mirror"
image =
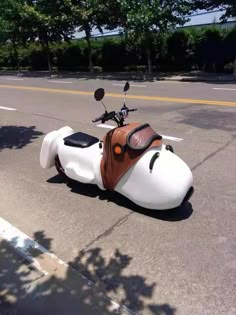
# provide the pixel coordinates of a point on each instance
(126, 87)
(99, 94)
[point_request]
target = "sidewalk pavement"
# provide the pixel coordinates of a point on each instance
(194, 76)
(27, 291)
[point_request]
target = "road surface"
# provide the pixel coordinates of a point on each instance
(153, 262)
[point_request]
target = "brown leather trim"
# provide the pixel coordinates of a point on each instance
(113, 166)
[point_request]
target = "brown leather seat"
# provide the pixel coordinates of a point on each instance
(133, 139)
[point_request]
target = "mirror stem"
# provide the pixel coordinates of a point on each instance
(104, 106)
(125, 100)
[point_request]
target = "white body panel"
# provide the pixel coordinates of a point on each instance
(162, 188)
(81, 164)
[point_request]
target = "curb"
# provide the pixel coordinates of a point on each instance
(123, 76)
(49, 265)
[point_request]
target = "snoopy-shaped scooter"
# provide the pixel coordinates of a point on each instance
(131, 160)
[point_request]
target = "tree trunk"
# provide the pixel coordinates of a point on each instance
(88, 37)
(16, 55)
(48, 57)
(149, 60)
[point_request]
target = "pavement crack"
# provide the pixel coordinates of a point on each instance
(213, 154)
(48, 116)
(108, 231)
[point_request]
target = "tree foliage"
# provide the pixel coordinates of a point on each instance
(142, 19)
(50, 21)
(145, 23)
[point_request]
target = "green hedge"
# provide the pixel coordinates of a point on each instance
(210, 49)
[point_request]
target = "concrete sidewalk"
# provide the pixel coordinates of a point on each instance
(194, 76)
(25, 290)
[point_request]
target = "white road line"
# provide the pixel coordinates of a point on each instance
(172, 138)
(224, 89)
(106, 126)
(54, 81)
(163, 136)
(14, 79)
(134, 85)
(7, 108)
(172, 82)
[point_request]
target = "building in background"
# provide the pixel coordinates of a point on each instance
(199, 19)
(205, 18)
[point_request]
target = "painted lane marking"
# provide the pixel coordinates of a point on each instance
(225, 89)
(7, 108)
(133, 85)
(106, 126)
(121, 96)
(163, 136)
(172, 82)
(14, 79)
(172, 138)
(55, 81)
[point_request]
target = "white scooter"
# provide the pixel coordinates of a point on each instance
(131, 160)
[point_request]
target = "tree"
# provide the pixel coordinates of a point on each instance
(13, 25)
(230, 47)
(209, 49)
(92, 14)
(84, 19)
(49, 21)
(179, 49)
(229, 6)
(143, 18)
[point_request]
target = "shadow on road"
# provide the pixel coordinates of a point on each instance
(17, 137)
(210, 119)
(92, 191)
(24, 291)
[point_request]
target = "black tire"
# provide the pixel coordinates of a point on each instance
(59, 168)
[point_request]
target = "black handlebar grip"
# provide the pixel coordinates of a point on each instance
(96, 120)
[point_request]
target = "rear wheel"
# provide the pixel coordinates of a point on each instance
(59, 167)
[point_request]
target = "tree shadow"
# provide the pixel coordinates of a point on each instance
(17, 137)
(85, 287)
(92, 191)
(210, 119)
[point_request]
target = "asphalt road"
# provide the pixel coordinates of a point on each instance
(154, 262)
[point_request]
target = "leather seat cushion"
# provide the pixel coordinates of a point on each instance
(80, 140)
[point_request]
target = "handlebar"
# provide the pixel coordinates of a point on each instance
(104, 117)
(111, 115)
(98, 119)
